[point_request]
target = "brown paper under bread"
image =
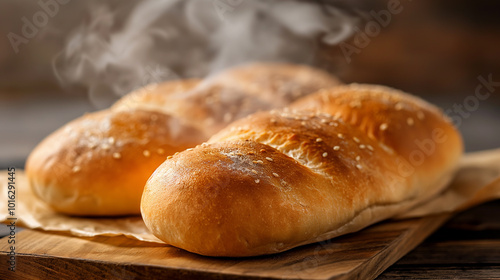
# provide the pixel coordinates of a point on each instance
(277, 180)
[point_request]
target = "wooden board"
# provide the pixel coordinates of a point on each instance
(361, 255)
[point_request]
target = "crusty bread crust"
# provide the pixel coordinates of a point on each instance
(281, 179)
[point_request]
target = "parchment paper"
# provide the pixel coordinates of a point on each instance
(477, 181)
(35, 214)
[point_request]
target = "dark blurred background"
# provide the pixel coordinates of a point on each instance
(433, 49)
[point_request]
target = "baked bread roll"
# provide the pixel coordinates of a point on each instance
(276, 180)
(278, 83)
(98, 164)
(229, 95)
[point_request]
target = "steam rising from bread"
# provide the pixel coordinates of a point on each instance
(126, 47)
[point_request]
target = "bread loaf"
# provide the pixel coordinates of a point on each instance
(276, 180)
(98, 164)
(278, 83)
(229, 95)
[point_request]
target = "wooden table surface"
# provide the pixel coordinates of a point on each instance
(466, 247)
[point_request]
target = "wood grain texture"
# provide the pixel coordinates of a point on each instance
(362, 255)
(466, 247)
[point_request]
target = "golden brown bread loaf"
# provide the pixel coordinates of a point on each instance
(98, 164)
(278, 83)
(213, 103)
(276, 180)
